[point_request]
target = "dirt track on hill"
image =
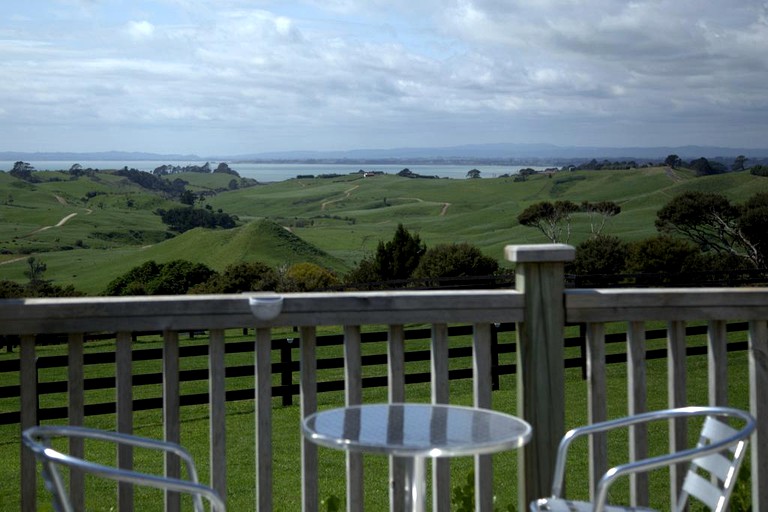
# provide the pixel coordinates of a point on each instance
(347, 193)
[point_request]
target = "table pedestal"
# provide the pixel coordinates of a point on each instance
(415, 484)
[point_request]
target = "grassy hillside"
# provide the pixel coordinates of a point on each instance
(91, 229)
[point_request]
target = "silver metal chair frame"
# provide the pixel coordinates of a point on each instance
(38, 440)
(738, 439)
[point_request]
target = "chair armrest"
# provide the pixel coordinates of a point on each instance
(650, 463)
(34, 435)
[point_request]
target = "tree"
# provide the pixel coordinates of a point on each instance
(23, 171)
(453, 260)
(661, 254)
(363, 275)
(188, 197)
(76, 170)
(11, 290)
(473, 174)
(704, 167)
(176, 277)
(552, 219)
(398, 258)
(307, 277)
(752, 225)
(713, 223)
(673, 161)
(239, 278)
(393, 260)
(600, 254)
(36, 270)
(599, 213)
(224, 168)
(185, 218)
(738, 163)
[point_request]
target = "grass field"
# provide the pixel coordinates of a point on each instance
(241, 420)
(90, 230)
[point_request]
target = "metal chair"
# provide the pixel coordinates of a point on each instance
(718, 454)
(38, 440)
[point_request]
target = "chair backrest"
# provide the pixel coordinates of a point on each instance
(38, 440)
(711, 478)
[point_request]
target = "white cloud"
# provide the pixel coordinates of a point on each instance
(395, 71)
(140, 30)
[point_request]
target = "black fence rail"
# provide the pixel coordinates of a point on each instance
(286, 366)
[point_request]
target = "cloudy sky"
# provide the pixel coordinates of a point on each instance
(229, 77)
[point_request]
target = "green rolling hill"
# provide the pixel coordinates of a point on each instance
(92, 229)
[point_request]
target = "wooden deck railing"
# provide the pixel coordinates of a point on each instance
(539, 305)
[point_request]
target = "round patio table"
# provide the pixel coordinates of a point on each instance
(416, 432)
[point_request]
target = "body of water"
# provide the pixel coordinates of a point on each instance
(268, 172)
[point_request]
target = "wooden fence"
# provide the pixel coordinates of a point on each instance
(287, 366)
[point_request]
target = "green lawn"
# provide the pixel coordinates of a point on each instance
(240, 423)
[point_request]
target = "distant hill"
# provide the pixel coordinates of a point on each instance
(507, 151)
(126, 156)
(500, 152)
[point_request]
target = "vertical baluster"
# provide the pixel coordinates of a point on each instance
(308, 404)
(482, 383)
(28, 396)
(263, 384)
(441, 478)
(678, 431)
(596, 402)
(76, 409)
(171, 412)
(396, 390)
(717, 363)
(124, 392)
(717, 366)
(353, 391)
(217, 402)
(636, 404)
(758, 400)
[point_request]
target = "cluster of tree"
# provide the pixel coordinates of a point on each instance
(715, 224)
(554, 219)
(699, 231)
(605, 165)
(394, 263)
(759, 170)
(37, 286)
(406, 257)
(180, 277)
(152, 182)
(167, 169)
(185, 218)
(78, 170)
(608, 255)
(705, 167)
(407, 173)
(151, 278)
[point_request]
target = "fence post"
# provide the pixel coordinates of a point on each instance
(539, 274)
(495, 357)
(286, 371)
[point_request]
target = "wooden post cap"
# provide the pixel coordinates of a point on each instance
(539, 253)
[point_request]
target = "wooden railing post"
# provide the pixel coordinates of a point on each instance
(540, 276)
